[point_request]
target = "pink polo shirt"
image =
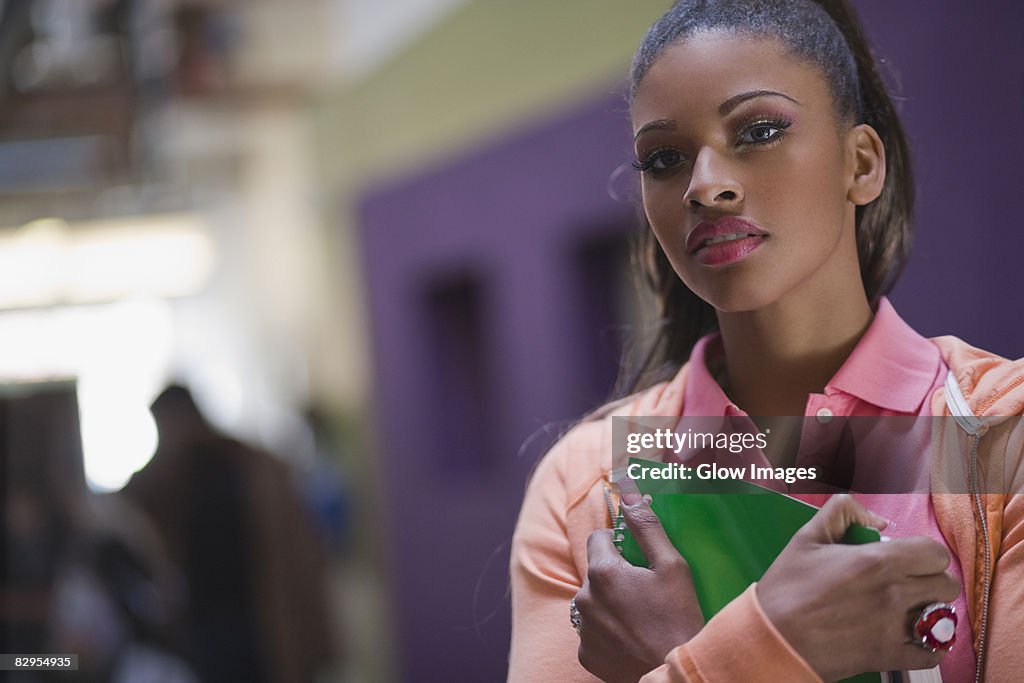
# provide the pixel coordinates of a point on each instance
(893, 371)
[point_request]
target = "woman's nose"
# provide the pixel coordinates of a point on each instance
(711, 182)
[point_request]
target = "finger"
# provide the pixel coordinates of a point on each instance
(629, 492)
(918, 556)
(923, 591)
(649, 534)
(914, 657)
(831, 522)
(582, 597)
(601, 549)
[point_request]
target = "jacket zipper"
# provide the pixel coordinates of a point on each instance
(975, 429)
(987, 577)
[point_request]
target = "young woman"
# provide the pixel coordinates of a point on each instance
(776, 181)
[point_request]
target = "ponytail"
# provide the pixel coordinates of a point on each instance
(884, 227)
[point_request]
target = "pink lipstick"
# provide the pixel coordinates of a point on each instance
(726, 240)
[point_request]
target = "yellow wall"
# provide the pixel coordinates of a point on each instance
(493, 64)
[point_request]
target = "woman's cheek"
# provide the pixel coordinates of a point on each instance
(666, 214)
(658, 200)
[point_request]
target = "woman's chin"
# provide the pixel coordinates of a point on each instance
(737, 299)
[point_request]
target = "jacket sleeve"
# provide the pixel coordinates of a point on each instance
(544, 578)
(547, 564)
(737, 644)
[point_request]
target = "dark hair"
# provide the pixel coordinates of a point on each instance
(828, 35)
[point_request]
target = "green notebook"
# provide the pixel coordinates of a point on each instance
(729, 537)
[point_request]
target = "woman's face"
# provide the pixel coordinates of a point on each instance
(746, 173)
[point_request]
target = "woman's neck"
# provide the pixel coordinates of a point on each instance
(776, 356)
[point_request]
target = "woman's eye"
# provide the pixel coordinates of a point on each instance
(761, 133)
(660, 160)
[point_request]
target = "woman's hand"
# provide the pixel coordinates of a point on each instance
(847, 609)
(631, 617)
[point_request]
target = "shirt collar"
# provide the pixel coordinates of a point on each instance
(892, 367)
(702, 395)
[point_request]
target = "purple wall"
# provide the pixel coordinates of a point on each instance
(486, 309)
(962, 75)
(494, 233)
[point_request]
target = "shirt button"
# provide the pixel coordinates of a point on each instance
(823, 415)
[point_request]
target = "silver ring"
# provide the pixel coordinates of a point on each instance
(574, 616)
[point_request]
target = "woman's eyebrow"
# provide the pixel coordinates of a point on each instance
(736, 100)
(659, 124)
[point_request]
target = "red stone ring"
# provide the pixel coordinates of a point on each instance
(935, 628)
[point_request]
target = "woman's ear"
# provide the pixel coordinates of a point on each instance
(868, 164)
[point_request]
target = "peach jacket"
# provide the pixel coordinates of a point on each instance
(565, 502)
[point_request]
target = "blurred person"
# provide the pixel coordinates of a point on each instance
(776, 184)
(116, 600)
(44, 489)
(256, 601)
(83, 574)
(324, 483)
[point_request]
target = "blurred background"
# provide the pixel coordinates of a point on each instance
(378, 253)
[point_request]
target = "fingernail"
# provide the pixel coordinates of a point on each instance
(630, 498)
(635, 500)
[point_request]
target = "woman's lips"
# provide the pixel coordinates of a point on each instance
(730, 251)
(726, 240)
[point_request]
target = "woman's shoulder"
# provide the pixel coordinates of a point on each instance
(582, 457)
(990, 383)
(568, 493)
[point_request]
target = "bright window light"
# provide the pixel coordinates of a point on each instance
(118, 439)
(48, 262)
